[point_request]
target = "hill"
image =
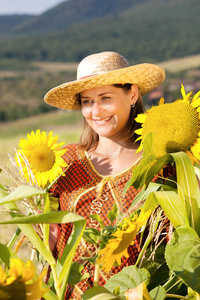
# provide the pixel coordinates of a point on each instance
(72, 12)
(142, 30)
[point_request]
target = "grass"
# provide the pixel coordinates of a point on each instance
(180, 64)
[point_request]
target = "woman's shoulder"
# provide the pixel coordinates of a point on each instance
(72, 152)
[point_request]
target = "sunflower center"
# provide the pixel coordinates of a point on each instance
(16, 290)
(175, 127)
(42, 158)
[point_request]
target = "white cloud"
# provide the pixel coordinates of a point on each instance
(26, 6)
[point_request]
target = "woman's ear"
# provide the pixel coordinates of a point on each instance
(134, 94)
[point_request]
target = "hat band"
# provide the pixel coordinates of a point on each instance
(88, 76)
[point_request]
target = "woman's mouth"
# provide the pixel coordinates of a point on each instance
(102, 121)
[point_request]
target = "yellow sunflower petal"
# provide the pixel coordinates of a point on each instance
(161, 101)
(29, 271)
(139, 131)
(191, 156)
(41, 156)
(195, 149)
(196, 96)
(43, 138)
(141, 118)
(16, 268)
(139, 148)
(34, 290)
(196, 103)
(2, 276)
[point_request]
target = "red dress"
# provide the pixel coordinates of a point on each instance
(84, 191)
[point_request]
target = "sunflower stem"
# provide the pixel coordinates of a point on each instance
(55, 278)
(47, 189)
(96, 274)
(176, 296)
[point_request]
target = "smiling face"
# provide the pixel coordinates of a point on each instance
(107, 109)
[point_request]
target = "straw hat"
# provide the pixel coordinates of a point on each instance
(104, 68)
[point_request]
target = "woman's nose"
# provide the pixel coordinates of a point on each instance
(97, 109)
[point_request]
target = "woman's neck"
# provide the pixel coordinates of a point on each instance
(109, 148)
(112, 157)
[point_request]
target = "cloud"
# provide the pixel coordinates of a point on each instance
(26, 6)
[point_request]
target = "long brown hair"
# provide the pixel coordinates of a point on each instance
(89, 137)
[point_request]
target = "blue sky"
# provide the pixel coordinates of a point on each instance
(26, 6)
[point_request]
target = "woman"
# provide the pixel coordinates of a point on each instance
(108, 91)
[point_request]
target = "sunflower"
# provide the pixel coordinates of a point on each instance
(117, 246)
(40, 157)
(19, 284)
(175, 126)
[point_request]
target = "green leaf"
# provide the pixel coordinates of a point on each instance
(145, 192)
(5, 255)
(112, 214)
(129, 277)
(156, 266)
(197, 170)
(157, 167)
(173, 206)
(91, 235)
(33, 237)
(151, 202)
(188, 185)
(183, 256)
(75, 273)
(99, 293)
(23, 191)
(46, 218)
(64, 264)
(158, 293)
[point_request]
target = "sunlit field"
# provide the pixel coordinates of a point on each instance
(67, 125)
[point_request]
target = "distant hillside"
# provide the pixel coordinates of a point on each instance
(142, 30)
(9, 23)
(73, 12)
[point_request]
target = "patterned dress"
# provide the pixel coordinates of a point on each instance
(85, 192)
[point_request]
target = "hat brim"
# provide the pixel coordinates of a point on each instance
(146, 76)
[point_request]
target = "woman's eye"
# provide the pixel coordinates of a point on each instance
(85, 102)
(105, 97)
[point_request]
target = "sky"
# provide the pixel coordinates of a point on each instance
(8, 7)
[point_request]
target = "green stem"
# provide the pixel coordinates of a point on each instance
(173, 281)
(96, 275)
(55, 278)
(176, 296)
(11, 243)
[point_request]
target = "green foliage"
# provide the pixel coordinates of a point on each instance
(157, 266)
(158, 293)
(129, 277)
(183, 256)
(4, 255)
(129, 27)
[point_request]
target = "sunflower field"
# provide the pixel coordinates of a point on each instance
(167, 267)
